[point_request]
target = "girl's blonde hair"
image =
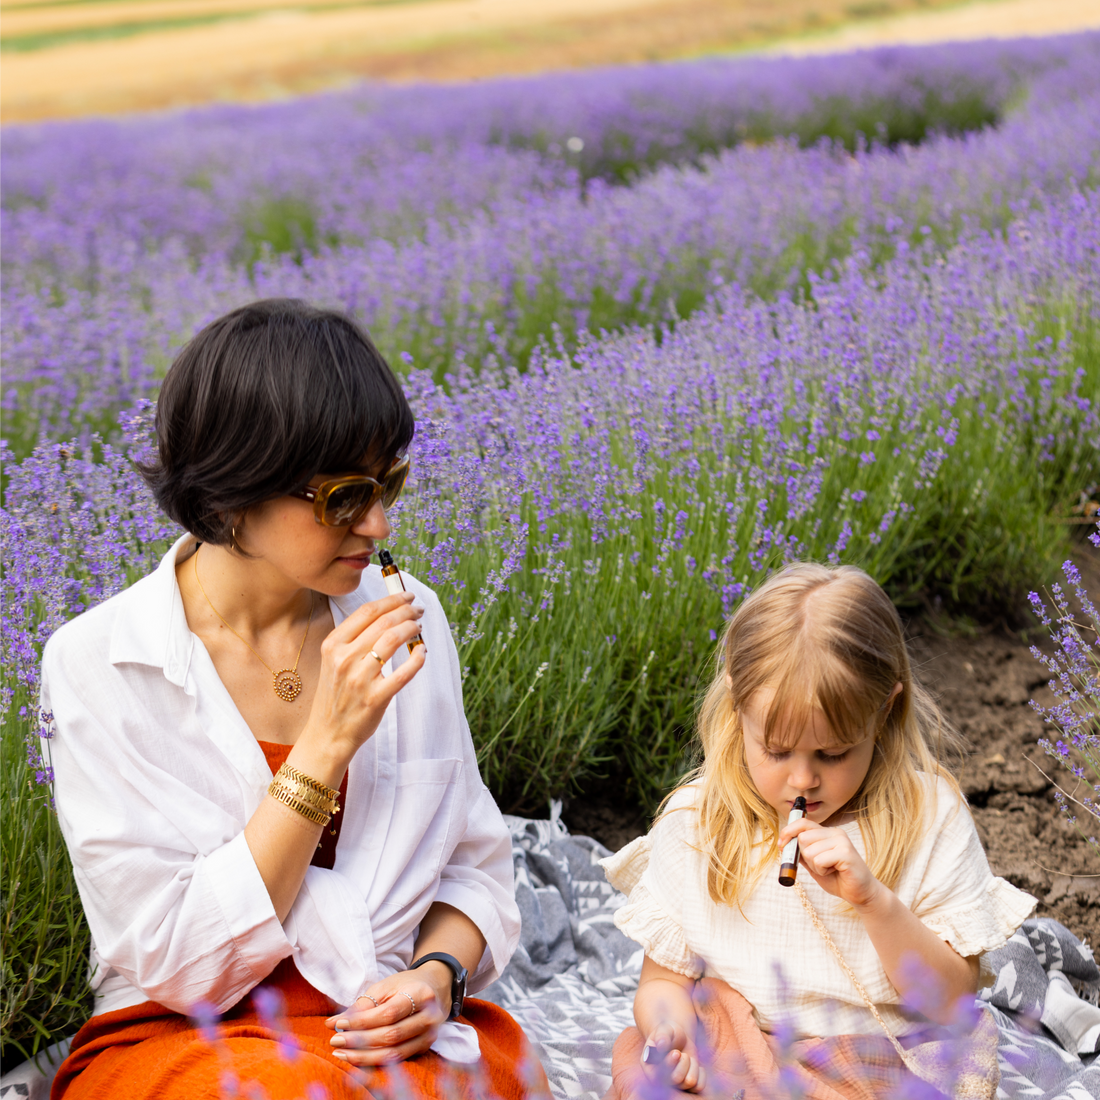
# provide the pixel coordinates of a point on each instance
(825, 639)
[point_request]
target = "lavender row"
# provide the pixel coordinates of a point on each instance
(83, 347)
(386, 162)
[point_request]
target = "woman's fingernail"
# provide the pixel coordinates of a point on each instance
(342, 1025)
(340, 1054)
(337, 1041)
(646, 1052)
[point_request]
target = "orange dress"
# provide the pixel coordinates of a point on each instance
(148, 1052)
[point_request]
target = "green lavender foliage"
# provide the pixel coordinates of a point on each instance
(43, 937)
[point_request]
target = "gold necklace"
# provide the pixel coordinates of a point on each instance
(286, 682)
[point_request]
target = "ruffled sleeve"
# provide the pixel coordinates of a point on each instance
(625, 868)
(957, 896)
(987, 923)
(646, 917)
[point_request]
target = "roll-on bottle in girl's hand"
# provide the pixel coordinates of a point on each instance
(394, 584)
(788, 863)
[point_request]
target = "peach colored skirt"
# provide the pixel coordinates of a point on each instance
(846, 1067)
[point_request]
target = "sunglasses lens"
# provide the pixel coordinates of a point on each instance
(393, 483)
(347, 503)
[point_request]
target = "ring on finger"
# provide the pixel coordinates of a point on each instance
(367, 997)
(381, 660)
(411, 1001)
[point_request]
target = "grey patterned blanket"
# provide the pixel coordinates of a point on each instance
(571, 983)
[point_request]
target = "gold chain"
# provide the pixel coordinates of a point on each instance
(286, 683)
(819, 924)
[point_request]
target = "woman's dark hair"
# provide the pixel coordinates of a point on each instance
(263, 399)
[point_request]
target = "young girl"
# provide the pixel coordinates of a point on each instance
(814, 697)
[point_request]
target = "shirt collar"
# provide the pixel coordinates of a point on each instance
(151, 626)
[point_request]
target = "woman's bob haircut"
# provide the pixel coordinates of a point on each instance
(263, 399)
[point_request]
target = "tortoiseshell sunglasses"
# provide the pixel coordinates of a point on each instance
(345, 500)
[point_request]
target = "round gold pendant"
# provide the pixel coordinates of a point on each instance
(288, 684)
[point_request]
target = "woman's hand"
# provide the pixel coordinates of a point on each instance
(410, 1008)
(352, 693)
(833, 862)
(669, 1056)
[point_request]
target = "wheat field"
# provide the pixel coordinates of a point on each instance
(65, 58)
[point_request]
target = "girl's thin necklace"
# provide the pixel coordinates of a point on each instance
(286, 682)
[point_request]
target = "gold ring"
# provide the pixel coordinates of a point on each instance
(381, 660)
(411, 1001)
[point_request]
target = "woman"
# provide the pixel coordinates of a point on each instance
(370, 880)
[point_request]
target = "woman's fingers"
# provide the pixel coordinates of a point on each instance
(363, 617)
(405, 1022)
(396, 1003)
(360, 659)
(384, 1056)
(393, 638)
(352, 693)
(403, 619)
(392, 683)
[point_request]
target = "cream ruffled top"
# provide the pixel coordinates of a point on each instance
(947, 883)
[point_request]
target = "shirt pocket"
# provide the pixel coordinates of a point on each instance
(429, 814)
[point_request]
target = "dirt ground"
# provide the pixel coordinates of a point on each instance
(102, 56)
(983, 682)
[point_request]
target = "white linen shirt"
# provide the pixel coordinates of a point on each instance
(156, 774)
(946, 882)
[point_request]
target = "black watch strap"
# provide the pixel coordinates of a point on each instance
(458, 981)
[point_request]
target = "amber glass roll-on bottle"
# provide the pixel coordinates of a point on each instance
(394, 584)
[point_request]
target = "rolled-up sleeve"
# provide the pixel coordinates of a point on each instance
(479, 877)
(182, 913)
(478, 880)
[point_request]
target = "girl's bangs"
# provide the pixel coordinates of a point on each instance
(817, 684)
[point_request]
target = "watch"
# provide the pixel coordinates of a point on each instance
(458, 981)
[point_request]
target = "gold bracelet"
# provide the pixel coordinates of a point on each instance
(287, 772)
(306, 794)
(280, 793)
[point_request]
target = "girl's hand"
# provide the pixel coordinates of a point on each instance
(405, 1022)
(833, 862)
(670, 1056)
(352, 694)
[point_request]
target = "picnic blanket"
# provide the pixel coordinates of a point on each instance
(571, 983)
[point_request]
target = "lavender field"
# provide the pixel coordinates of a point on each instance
(663, 328)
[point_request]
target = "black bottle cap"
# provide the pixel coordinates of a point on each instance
(799, 802)
(386, 558)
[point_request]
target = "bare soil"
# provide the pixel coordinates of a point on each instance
(983, 680)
